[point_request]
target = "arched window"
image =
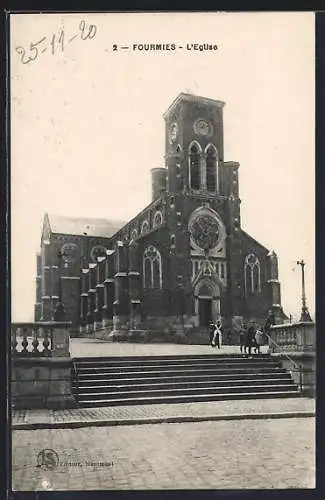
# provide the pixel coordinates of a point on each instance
(147, 273)
(256, 278)
(152, 273)
(156, 273)
(195, 167)
(222, 270)
(211, 169)
(252, 274)
(158, 219)
(145, 227)
(248, 280)
(134, 234)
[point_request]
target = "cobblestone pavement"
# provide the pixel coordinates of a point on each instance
(210, 455)
(112, 414)
(80, 347)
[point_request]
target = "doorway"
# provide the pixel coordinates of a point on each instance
(205, 311)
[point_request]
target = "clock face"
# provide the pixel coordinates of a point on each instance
(69, 251)
(205, 231)
(173, 131)
(202, 127)
(97, 251)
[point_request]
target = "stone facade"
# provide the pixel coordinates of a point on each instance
(41, 382)
(183, 261)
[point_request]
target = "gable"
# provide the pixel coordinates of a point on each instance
(250, 242)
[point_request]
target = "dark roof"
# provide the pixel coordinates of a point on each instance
(193, 98)
(246, 235)
(87, 226)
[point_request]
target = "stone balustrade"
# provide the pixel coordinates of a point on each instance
(40, 339)
(295, 346)
(41, 366)
(295, 337)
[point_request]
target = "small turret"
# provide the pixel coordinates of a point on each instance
(158, 182)
(273, 265)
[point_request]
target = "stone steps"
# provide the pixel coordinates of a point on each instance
(175, 379)
(101, 386)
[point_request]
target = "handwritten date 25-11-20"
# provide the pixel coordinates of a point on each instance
(55, 42)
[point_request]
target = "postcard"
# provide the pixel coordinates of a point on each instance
(162, 251)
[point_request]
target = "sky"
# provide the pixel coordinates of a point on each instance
(87, 125)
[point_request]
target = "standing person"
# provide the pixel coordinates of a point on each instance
(250, 338)
(242, 339)
(259, 340)
(270, 320)
(220, 332)
(217, 334)
(211, 333)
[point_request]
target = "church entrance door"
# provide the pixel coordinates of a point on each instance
(205, 311)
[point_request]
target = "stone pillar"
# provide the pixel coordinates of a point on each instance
(203, 173)
(134, 286)
(55, 288)
(109, 290)
(172, 279)
(46, 297)
(91, 297)
(175, 174)
(99, 301)
(274, 286)
(38, 302)
(84, 301)
(109, 297)
(45, 266)
(121, 302)
(276, 294)
(184, 274)
(234, 261)
(60, 340)
(91, 310)
(274, 279)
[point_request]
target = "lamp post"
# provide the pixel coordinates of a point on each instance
(59, 313)
(305, 316)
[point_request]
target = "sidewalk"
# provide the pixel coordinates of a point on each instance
(88, 347)
(163, 413)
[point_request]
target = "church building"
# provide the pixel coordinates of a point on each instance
(183, 261)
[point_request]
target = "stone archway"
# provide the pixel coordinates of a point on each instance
(207, 301)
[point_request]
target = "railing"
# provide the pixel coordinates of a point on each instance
(40, 339)
(296, 367)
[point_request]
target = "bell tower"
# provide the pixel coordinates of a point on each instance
(194, 145)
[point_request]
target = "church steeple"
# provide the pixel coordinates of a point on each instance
(194, 134)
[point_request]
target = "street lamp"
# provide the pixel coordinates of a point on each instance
(59, 313)
(305, 316)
